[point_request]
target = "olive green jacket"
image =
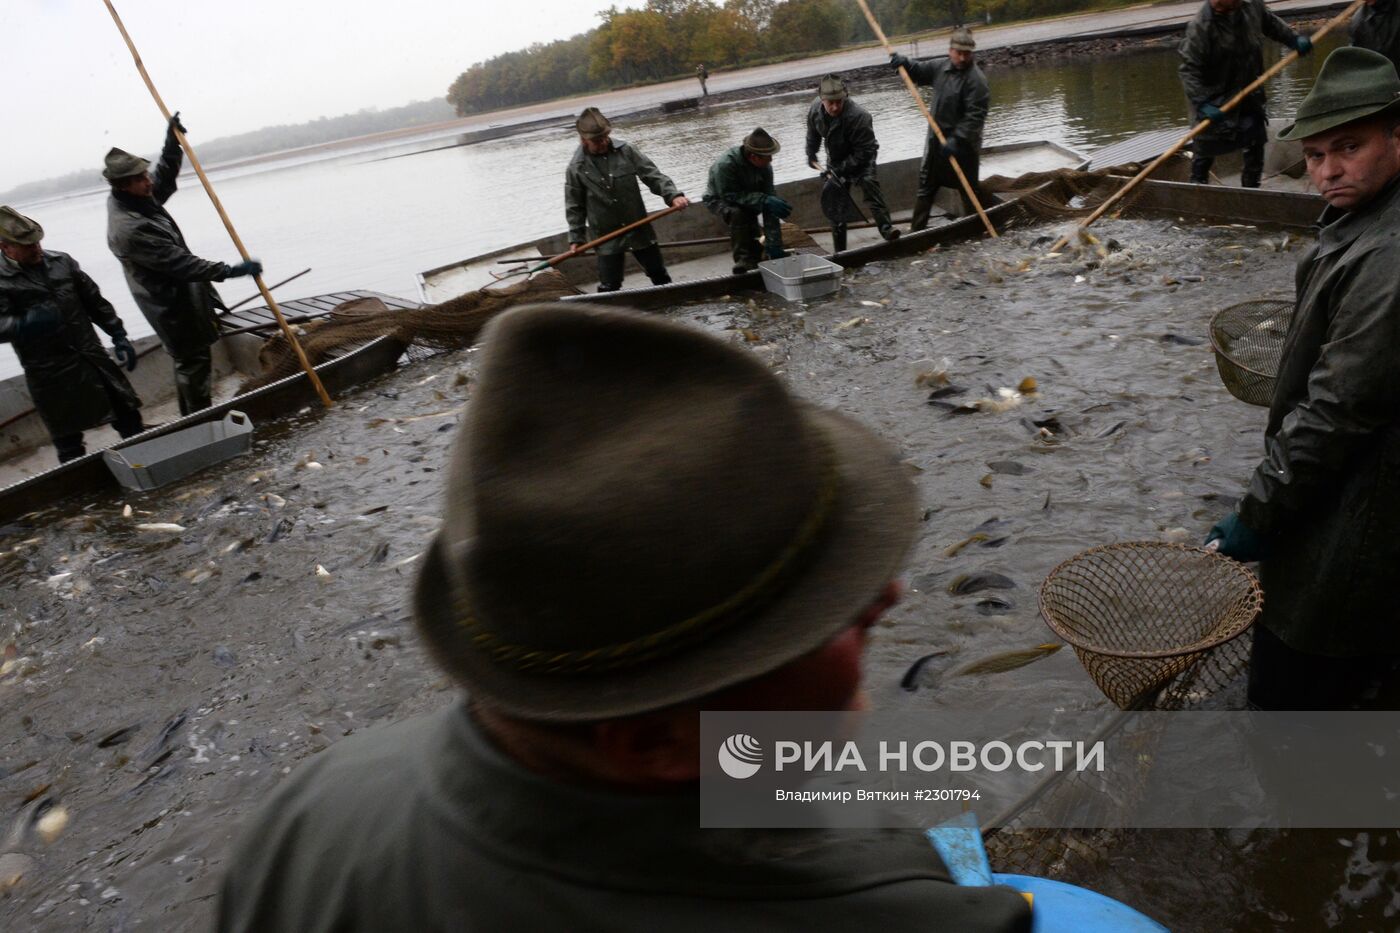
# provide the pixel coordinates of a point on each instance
(735, 179)
(961, 99)
(601, 194)
(1326, 497)
(170, 283)
(849, 137)
(1378, 28)
(424, 825)
(68, 373)
(1221, 53)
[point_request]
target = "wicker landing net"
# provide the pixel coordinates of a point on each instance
(1138, 614)
(1248, 340)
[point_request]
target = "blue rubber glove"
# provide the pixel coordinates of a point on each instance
(1303, 44)
(950, 149)
(1236, 539)
(124, 351)
(1210, 112)
(898, 61)
(251, 267)
(40, 321)
(775, 206)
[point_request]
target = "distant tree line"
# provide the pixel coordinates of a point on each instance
(668, 38)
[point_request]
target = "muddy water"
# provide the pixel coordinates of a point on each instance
(170, 679)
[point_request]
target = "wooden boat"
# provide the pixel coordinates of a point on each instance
(28, 478)
(697, 244)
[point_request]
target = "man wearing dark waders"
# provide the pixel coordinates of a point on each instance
(602, 194)
(740, 192)
(48, 309)
(1376, 26)
(1222, 52)
(848, 132)
(702, 74)
(961, 98)
(171, 285)
(1322, 511)
(641, 523)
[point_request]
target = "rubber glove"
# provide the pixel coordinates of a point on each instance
(1303, 44)
(40, 321)
(1210, 112)
(1233, 538)
(950, 148)
(251, 267)
(898, 61)
(776, 207)
(124, 351)
(175, 123)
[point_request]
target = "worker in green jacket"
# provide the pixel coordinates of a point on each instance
(740, 192)
(602, 194)
(1376, 26)
(49, 309)
(641, 522)
(847, 131)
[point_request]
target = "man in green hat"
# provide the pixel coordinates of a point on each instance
(1221, 53)
(48, 309)
(961, 99)
(641, 523)
(848, 132)
(602, 194)
(1376, 26)
(740, 192)
(1322, 510)
(170, 283)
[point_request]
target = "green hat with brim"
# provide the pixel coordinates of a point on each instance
(122, 164)
(961, 40)
(832, 87)
(591, 124)
(759, 143)
(1354, 84)
(17, 229)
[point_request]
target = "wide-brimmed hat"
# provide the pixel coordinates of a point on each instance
(639, 514)
(962, 40)
(832, 87)
(760, 143)
(591, 124)
(1354, 83)
(122, 164)
(18, 229)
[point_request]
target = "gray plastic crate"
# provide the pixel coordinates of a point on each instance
(800, 276)
(161, 460)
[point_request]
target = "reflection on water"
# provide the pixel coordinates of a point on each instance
(366, 221)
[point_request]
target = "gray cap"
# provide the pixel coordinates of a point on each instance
(122, 164)
(832, 87)
(18, 229)
(962, 40)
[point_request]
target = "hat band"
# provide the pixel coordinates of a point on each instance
(744, 602)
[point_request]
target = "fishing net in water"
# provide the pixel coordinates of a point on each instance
(1063, 192)
(451, 325)
(1248, 339)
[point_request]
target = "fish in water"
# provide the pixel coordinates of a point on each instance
(910, 680)
(1010, 660)
(953, 549)
(970, 583)
(161, 528)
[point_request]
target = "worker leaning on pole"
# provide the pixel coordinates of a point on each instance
(602, 194)
(48, 309)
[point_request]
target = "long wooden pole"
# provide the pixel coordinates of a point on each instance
(219, 207)
(1341, 18)
(933, 125)
(556, 260)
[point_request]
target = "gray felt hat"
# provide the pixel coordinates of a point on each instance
(18, 229)
(122, 164)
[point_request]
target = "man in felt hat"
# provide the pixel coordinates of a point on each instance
(847, 131)
(1376, 26)
(740, 192)
(1221, 53)
(641, 523)
(48, 308)
(961, 98)
(1322, 510)
(601, 194)
(170, 283)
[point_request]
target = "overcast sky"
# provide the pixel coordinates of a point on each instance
(72, 91)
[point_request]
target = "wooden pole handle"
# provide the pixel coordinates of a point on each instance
(933, 124)
(1199, 128)
(219, 208)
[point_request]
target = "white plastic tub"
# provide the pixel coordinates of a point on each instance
(161, 460)
(800, 276)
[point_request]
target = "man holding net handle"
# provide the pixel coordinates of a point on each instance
(1322, 511)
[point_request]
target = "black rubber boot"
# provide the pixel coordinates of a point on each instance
(838, 238)
(888, 231)
(923, 207)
